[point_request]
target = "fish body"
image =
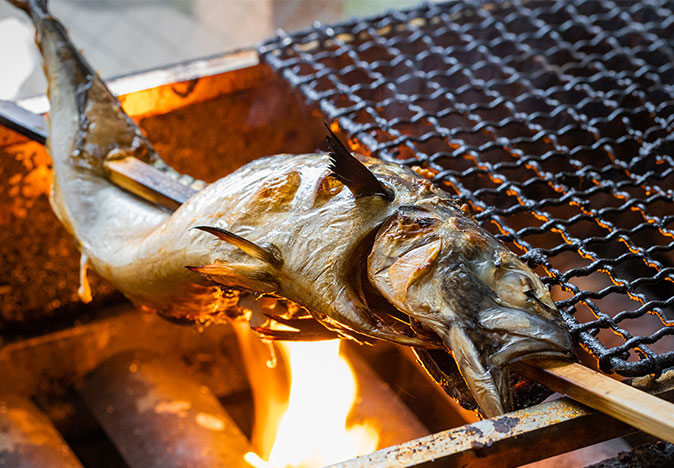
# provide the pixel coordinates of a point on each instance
(369, 249)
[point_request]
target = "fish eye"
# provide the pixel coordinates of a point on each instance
(533, 297)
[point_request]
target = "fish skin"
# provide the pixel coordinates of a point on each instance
(427, 258)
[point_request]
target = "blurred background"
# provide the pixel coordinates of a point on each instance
(120, 37)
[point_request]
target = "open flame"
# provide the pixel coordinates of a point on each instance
(313, 429)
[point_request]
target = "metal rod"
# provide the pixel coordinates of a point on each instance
(129, 173)
(28, 439)
(160, 416)
(510, 440)
(23, 121)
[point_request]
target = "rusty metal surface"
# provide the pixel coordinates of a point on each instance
(28, 439)
(159, 416)
(163, 89)
(652, 455)
(506, 441)
(552, 428)
(40, 264)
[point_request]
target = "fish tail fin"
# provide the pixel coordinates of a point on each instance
(76, 87)
(21, 4)
(31, 6)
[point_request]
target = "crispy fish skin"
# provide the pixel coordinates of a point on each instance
(301, 227)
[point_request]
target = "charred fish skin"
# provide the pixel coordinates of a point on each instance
(298, 227)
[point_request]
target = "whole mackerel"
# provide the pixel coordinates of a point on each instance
(368, 249)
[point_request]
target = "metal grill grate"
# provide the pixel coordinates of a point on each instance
(552, 120)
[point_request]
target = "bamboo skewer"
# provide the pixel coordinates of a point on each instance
(635, 407)
(147, 182)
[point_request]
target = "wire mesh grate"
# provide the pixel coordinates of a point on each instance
(553, 121)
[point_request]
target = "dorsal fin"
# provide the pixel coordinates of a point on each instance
(353, 173)
(252, 249)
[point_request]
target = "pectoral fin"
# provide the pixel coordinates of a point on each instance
(411, 267)
(269, 255)
(480, 380)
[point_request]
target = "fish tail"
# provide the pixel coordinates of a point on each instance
(31, 6)
(76, 89)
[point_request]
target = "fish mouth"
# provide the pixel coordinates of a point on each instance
(521, 347)
(523, 335)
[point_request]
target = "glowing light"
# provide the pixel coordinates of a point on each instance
(314, 430)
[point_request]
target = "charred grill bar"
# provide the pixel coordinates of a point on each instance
(552, 121)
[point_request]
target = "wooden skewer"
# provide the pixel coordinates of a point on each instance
(147, 182)
(637, 408)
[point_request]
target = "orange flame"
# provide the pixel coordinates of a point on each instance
(313, 430)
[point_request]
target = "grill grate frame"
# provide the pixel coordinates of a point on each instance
(553, 121)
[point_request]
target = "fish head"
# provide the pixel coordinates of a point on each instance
(439, 267)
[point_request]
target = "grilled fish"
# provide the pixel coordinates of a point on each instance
(365, 248)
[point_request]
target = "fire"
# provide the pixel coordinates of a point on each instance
(313, 431)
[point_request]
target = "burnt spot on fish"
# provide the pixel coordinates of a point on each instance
(326, 188)
(277, 193)
(106, 132)
(463, 291)
(413, 221)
